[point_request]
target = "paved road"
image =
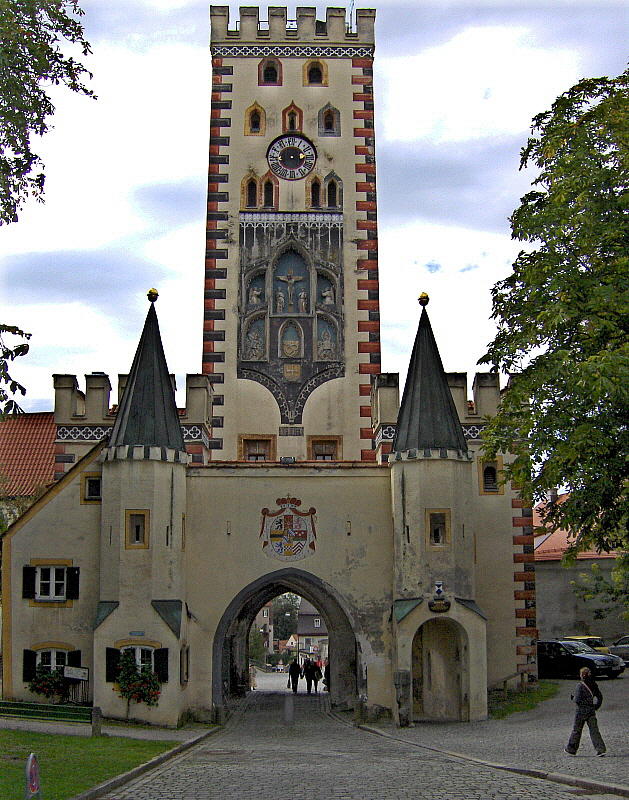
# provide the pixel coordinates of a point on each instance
(320, 758)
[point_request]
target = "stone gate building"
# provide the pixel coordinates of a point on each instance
(293, 466)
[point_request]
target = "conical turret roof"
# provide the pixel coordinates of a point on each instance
(147, 414)
(427, 417)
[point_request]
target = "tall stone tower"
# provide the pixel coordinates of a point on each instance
(291, 323)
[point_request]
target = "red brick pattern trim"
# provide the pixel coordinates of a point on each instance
(216, 222)
(524, 594)
(367, 244)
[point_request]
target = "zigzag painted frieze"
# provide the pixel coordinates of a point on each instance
(291, 51)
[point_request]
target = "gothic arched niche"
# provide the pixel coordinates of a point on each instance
(254, 341)
(327, 344)
(291, 284)
(291, 340)
(256, 290)
(327, 291)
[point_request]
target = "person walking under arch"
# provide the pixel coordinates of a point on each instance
(294, 674)
(588, 698)
(312, 673)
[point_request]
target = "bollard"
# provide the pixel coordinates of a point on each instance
(289, 710)
(97, 719)
(32, 778)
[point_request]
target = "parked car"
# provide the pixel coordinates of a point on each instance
(564, 658)
(621, 648)
(595, 642)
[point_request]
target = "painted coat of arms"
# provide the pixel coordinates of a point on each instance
(288, 534)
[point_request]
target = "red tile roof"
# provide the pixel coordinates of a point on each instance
(27, 453)
(552, 546)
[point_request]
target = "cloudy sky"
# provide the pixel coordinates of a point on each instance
(457, 83)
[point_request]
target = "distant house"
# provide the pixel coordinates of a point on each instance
(264, 623)
(312, 634)
(559, 611)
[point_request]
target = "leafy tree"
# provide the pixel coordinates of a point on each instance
(31, 35)
(134, 684)
(563, 318)
(9, 386)
(285, 609)
(605, 594)
(256, 645)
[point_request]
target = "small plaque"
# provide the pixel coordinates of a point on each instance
(439, 606)
(136, 633)
(76, 673)
(292, 372)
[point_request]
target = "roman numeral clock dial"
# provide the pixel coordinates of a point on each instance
(291, 157)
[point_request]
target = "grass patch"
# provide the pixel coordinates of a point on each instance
(517, 700)
(69, 764)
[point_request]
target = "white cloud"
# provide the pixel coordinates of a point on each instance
(485, 81)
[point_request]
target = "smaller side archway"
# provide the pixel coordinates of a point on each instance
(440, 671)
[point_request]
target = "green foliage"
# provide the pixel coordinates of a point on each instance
(49, 683)
(563, 318)
(606, 593)
(9, 386)
(69, 765)
(285, 608)
(31, 32)
(256, 645)
(137, 685)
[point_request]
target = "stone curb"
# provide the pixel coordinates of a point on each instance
(136, 772)
(555, 777)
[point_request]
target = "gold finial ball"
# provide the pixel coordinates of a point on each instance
(152, 295)
(423, 299)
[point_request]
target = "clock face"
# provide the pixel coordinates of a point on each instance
(291, 157)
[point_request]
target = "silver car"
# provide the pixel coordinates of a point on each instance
(621, 648)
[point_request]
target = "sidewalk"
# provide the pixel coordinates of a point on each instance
(82, 729)
(534, 740)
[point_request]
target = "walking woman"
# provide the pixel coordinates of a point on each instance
(588, 698)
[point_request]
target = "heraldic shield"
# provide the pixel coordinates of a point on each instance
(288, 534)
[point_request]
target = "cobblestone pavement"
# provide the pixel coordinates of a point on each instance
(535, 739)
(258, 756)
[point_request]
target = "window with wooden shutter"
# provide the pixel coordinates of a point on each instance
(74, 658)
(160, 662)
(72, 583)
(29, 665)
(112, 663)
(28, 581)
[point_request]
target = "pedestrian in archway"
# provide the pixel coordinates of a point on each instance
(317, 677)
(588, 698)
(310, 673)
(294, 674)
(326, 675)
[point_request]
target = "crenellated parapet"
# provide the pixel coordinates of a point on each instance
(335, 29)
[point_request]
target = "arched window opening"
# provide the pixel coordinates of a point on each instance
(252, 194)
(268, 194)
(292, 121)
(490, 479)
(315, 194)
(328, 120)
(254, 122)
(315, 74)
(269, 74)
(332, 195)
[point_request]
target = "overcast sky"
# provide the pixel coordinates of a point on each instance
(456, 85)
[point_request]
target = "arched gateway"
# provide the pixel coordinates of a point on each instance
(230, 656)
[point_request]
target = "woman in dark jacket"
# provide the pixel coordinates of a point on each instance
(588, 698)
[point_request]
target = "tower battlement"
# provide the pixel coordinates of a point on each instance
(305, 28)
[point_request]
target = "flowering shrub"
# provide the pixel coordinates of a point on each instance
(50, 683)
(135, 685)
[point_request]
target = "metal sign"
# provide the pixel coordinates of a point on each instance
(32, 778)
(77, 673)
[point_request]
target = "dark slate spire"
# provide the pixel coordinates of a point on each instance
(427, 417)
(147, 414)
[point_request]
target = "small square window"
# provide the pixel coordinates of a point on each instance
(437, 527)
(257, 448)
(137, 528)
(324, 448)
(489, 476)
(91, 487)
(317, 622)
(52, 659)
(265, 612)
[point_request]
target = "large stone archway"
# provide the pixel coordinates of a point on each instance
(229, 653)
